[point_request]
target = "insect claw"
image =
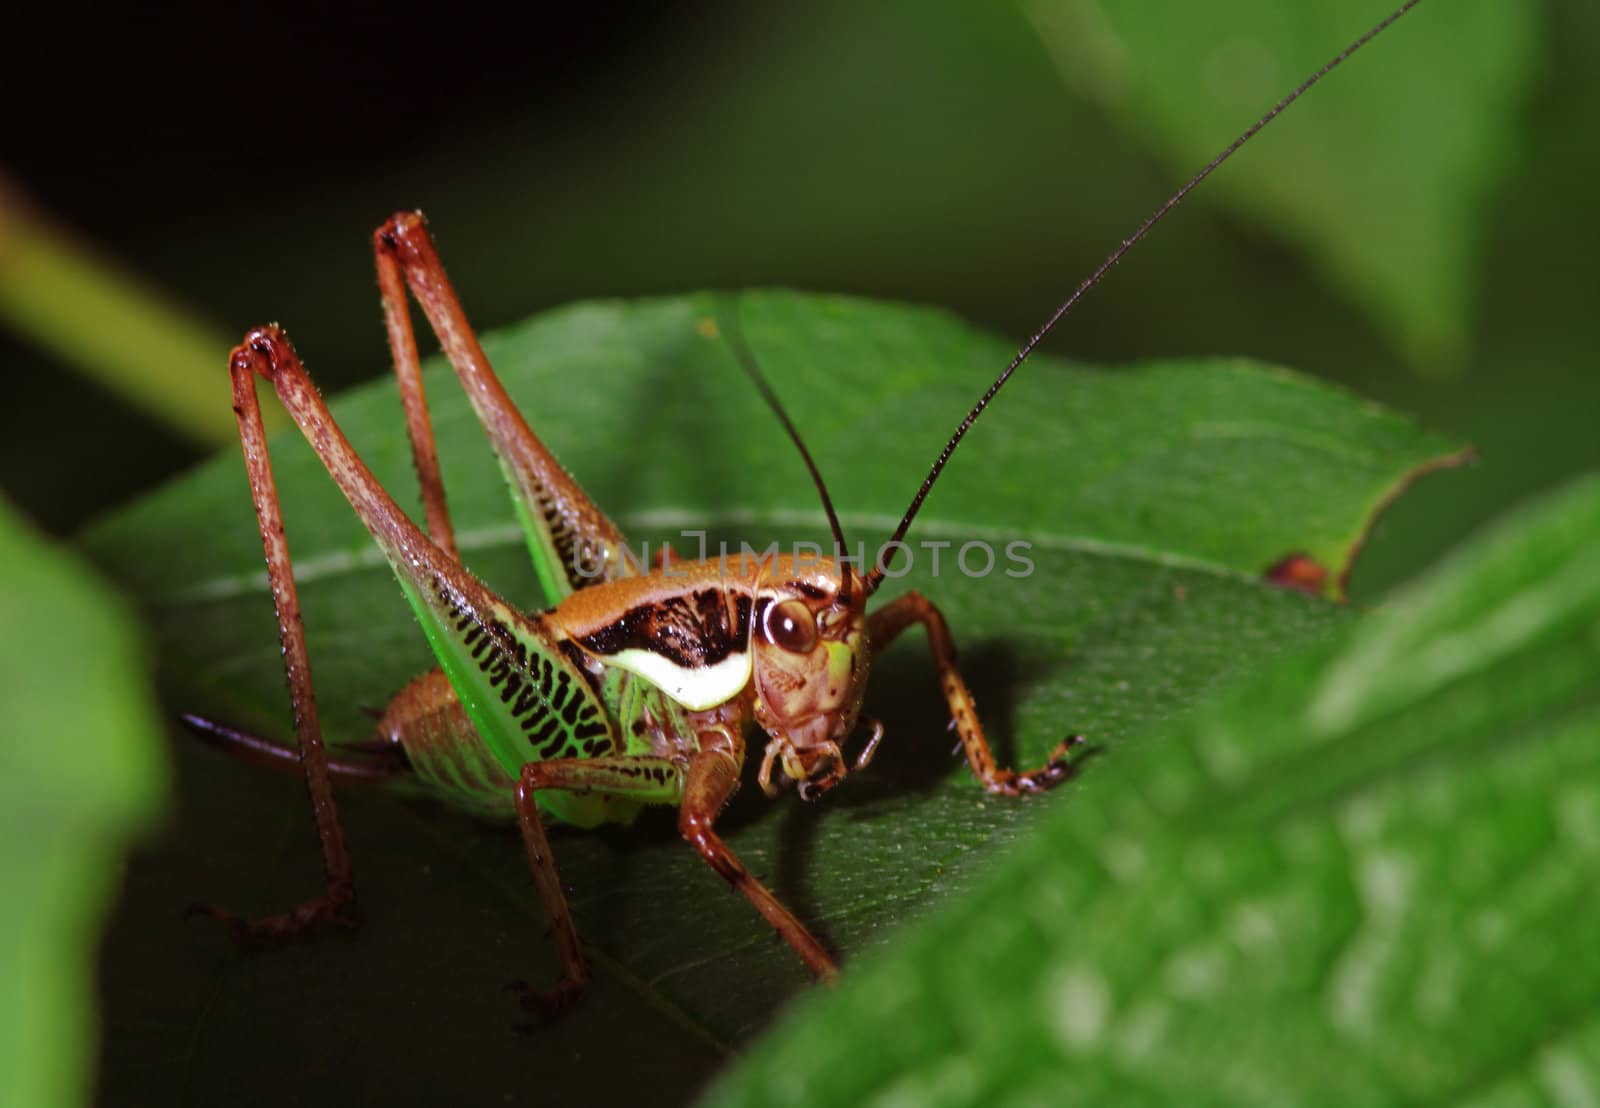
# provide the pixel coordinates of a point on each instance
(337, 909)
(1062, 754)
(237, 929)
(548, 1003)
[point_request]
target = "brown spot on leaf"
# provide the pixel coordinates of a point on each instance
(1299, 571)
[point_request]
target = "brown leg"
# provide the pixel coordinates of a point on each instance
(403, 349)
(646, 779)
(572, 531)
(885, 625)
(574, 967)
(337, 904)
(713, 777)
(701, 791)
(372, 762)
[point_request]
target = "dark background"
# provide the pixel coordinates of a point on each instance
(237, 157)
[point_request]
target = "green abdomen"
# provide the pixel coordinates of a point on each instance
(428, 721)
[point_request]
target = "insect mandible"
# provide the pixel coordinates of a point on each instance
(635, 686)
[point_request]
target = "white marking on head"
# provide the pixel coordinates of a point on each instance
(697, 688)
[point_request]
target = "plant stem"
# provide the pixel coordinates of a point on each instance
(110, 326)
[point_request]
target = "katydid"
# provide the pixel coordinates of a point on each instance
(636, 684)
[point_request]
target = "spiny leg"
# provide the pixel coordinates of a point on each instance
(648, 780)
(573, 543)
(574, 967)
(702, 790)
(506, 668)
(885, 625)
(407, 368)
(337, 904)
(712, 779)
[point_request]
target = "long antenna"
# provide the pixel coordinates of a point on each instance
(875, 578)
(741, 350)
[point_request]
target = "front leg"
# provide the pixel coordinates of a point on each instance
(701, 789)
(885, 625)
(713, 777)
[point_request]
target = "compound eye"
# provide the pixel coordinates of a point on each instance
(789, 625)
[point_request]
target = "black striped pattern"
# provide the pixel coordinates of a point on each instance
(551, 699)
(691, 630)
(564, 537)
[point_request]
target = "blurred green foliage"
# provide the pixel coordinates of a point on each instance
(82, 769)
(1359, 878)
(1403, 246)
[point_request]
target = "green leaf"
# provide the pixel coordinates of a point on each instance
(1362, 878)
(1384, 177)
(1154, 498)
(80, 773)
